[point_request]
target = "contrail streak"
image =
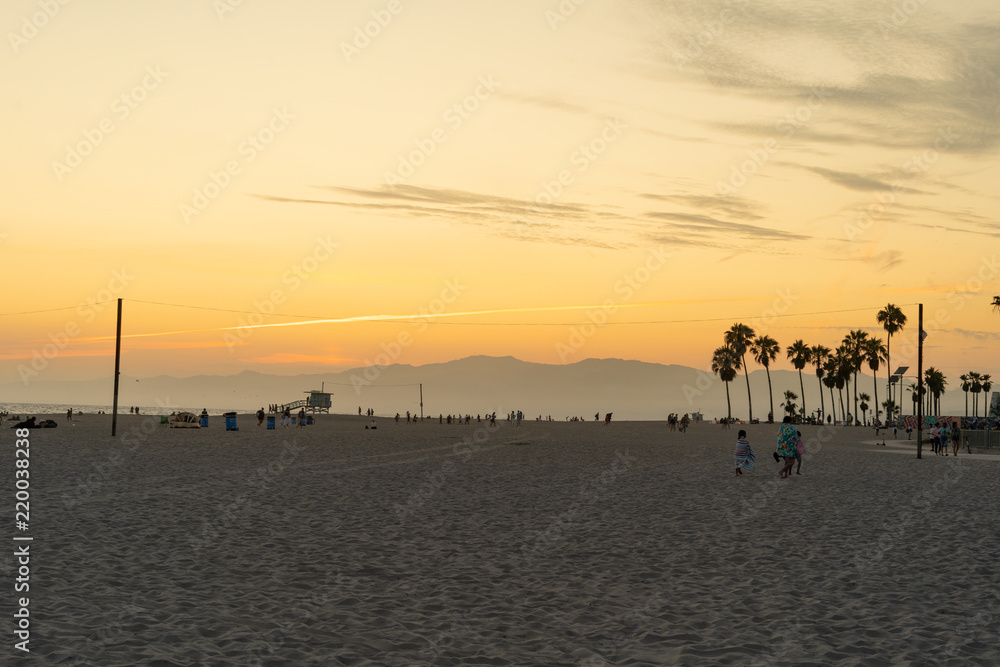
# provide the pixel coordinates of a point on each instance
(384, 318)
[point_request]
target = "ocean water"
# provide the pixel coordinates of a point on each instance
(26, 410)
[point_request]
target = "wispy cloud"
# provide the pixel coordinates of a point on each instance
(565, 223)
(550, 102)
(890, 88)
(737, 207)
(700, 225)
(858, 181)
(294, 358)
(977, 335)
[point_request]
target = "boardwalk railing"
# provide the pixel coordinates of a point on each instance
(981, 439)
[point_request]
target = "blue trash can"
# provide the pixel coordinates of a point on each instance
(204, 422)
(231, 424)
(270, 422)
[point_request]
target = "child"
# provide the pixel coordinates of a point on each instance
(745, 459)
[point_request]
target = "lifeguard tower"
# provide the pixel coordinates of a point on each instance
(318, 401)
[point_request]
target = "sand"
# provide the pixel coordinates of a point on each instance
(544, 544)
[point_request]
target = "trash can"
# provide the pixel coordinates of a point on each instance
(270, 422)
(231, 424)
(204, 422)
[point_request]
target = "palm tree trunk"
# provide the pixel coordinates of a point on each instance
(875, 386)
(888, 366)
(749, 400)
(822, 407)
(833, 406)
(770, 393)
(855, 413)
(847, 386)
(729, 407)
(966, 403)
(803, 390)
(843, 413)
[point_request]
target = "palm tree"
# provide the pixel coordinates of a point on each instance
(724, 363)
(818, 354)
(975, 386)
(890, 410)
(799, 354)
(841, 380)
(875, 353)
(936, 383)
(855, 342)
(830, 380)
(892, 320)
(996, 303)
(987, 383)
(843, 376)
(765, 350)
(864, 408)
(789, 403)
(915, 396)
(739, 337)
(940, 382)
(966, 385)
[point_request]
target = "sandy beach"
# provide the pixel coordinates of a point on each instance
(544, 544)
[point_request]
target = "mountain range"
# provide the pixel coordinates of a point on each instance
(630, 389)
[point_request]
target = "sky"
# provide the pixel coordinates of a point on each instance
(550, 180)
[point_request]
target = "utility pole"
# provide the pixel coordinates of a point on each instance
(118, 359)
(920, 377)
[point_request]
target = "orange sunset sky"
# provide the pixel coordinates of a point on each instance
(667, 167)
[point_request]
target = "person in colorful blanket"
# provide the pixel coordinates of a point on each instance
(745, 459)
(787, 439)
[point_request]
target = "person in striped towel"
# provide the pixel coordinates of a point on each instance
(745, 459)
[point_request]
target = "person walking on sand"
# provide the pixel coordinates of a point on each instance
(286, 418)
(745, 459)
(260, 416)
(786, 446)
(69, 415)
(956, 438)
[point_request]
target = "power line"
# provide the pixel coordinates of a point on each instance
(222, 310)
(56, 310)
(521, 324)
(690, 321)
(433, 318)
(348, 384)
